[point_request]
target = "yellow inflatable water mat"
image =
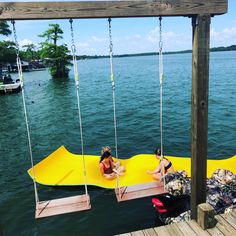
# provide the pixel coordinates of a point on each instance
(63, 168)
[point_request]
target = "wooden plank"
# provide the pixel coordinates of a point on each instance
(174, 230)
(105, 9)
(162, 231)
(186, 229)
(139, 191)
(149, 232)
(200, 83)
(197, 229)
(230, 219)
(233, 213)
(215, 232)
(224, 226)
(137, 233)
(62, 206)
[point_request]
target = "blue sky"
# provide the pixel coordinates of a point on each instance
(131, 35)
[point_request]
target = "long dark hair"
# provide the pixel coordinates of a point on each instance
(158, 152)
(106, 154)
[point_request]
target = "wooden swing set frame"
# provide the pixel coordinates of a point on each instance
(199, 11)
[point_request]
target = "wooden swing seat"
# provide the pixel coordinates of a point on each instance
(62, 206)
(139, 191)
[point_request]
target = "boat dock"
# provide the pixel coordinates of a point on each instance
(226, 226)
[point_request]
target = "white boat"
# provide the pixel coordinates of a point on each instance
(10, 88)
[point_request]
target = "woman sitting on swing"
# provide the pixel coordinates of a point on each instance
(164, 166)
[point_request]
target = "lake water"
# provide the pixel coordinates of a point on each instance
(53, 120)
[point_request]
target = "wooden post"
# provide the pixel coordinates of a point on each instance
(206, 216)
(200, 81)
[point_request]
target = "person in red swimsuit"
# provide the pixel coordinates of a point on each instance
(117, 163)
(107, 166)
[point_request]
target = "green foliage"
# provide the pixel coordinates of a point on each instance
(4, 28)
(52, 34)
(7, 52)
(56, 57)
(30, 53)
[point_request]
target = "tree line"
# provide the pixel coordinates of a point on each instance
(55, 56)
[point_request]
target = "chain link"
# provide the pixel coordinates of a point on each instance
(15, 37)
(160, 34)
(73, 48)
(110, 38)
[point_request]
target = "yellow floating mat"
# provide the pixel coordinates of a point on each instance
(63, 168)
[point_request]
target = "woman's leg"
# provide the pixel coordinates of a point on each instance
(156, 176)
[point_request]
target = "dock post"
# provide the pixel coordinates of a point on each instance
(206, 216)
(200, 83)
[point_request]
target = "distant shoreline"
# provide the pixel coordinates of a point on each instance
(215, 49)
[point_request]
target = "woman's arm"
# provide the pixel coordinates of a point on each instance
(157, 170)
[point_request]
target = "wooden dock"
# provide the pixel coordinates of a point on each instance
(226, 226)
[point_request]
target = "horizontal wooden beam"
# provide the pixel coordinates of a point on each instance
(104, 9)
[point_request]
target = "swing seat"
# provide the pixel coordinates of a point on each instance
(62, 206)
(139, 191)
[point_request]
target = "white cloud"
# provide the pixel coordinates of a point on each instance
(225, 37)
(214, 34)
(97, 39)
(137, 36)
(25, 42)
(171, 41)
(83, 45)
(230, 31)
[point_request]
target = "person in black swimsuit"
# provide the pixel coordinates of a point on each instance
(164, 166)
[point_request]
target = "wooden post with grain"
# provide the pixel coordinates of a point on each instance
(206, 216)
(200, 82)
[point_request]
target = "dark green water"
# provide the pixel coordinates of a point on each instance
(53, 119)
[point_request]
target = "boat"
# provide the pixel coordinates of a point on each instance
(7, 85)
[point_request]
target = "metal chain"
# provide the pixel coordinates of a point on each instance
(20, 73)
(161, 77)
(76, 77)
(15, 37)
(111, 55)
(114, 98)
(73, 48)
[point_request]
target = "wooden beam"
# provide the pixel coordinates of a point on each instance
(104, 9)
(200, 81)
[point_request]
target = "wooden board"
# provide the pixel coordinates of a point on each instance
(200, 84)
(62, 206)
(104, 9)
(197, 229)
(139, 191)
(224, 226)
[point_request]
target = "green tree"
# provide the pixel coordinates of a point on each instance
(4, 28)
(54, 33)
(7, 53)
(56, 57)
(4, 53)
(30, 52)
